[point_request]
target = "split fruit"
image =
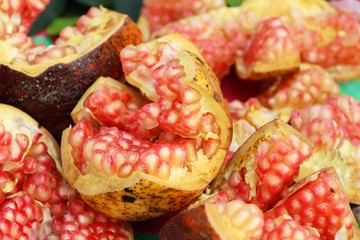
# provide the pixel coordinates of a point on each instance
(150, 145)
(47, 81)
(36, 202)
(256, 198)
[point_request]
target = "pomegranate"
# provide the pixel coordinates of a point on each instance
(154, 14)
(332, 41)
(310, 85)
(18, 16)
(151, 145)
(333, 127)
(217, 33)
(35, 200)
(269, 52)
(264, 165)
(319, 201)
(46, 82)
(314, 208)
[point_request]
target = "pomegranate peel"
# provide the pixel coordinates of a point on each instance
(48, 81)
(216, 220)
(145, 192)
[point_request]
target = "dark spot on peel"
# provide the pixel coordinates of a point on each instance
(201, 61)
(217, 97)
(129, 199)
(129, 190)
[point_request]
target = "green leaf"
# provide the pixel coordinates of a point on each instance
(233, 3)
(52, 11)
(131, 8)
(59, 23)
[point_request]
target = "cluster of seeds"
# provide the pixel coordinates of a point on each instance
(269, 42)
(308, 86)
(170, 128)
(288, 229)
(344, 47)
(322, 204)
(36, 202)
(244, 216)
(277, 161)
(327, 124)
(217, 43)
(160, 14)
(115, 152)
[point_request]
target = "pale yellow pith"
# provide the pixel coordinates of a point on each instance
(102, 28)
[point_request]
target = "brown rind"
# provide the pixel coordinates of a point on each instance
(191, 223)
(51, 95)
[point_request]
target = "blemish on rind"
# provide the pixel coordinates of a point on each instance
(127, 198)
(217, 97)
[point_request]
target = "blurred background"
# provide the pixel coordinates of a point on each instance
(60, 13)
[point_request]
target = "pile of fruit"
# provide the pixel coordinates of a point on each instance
(119, 122)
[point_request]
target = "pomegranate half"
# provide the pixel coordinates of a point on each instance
(46, 82)
(36, 202)
(151, 145)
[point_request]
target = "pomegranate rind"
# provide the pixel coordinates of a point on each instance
(27, 125)
(189, 223)
(49, 91)
(143, 196)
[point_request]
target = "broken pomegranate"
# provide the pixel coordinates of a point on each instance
(218, 34)
(319, 201)
(46, 82)
(333, 127)
(35, 200)
(154, 14)
(332, 41)
(310, 85)
(264, 165)
(314, 208)
(150, 145)
(270, 51)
